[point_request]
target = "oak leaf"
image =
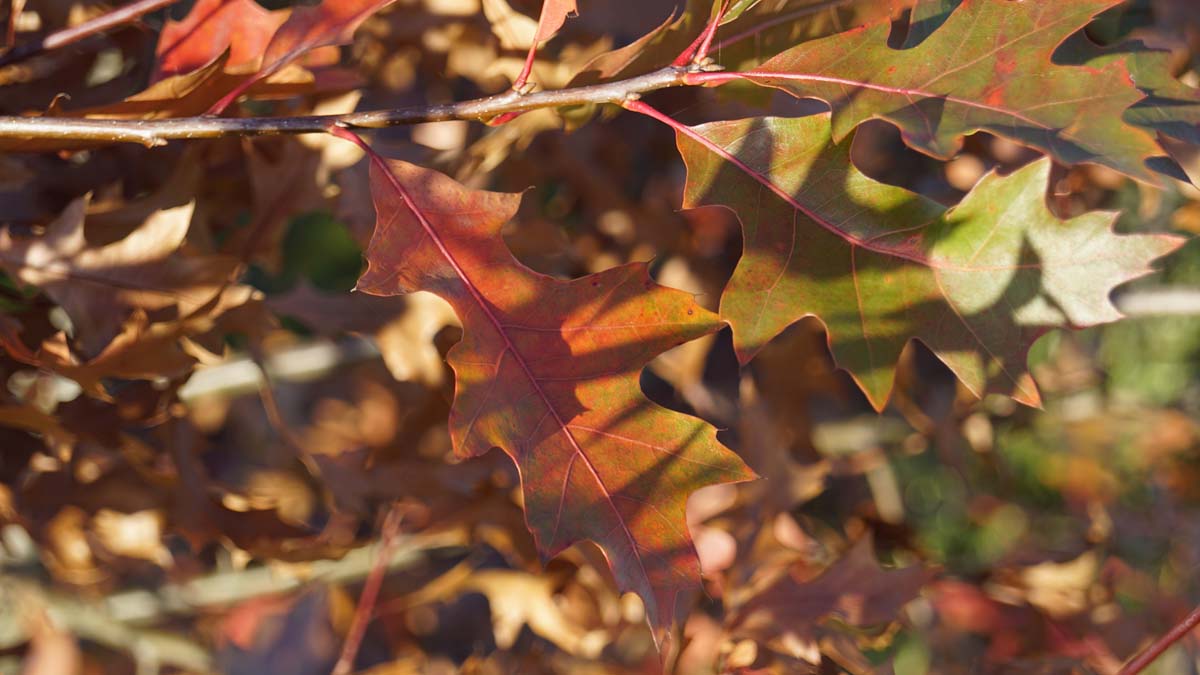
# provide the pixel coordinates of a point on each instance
(225, 49)
(243, 27)
(548, 371)
(753, 31)
(880, 265)
(328, 24)
(989, 67)
(554, 15)
(1170, 108)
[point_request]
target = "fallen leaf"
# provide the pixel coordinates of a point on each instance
(514, 29)
(518, 599)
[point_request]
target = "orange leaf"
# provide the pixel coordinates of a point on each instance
(213, 26)
(548, 371)
(328, 24)
(554, 15)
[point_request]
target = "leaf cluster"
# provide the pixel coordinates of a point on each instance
(745, 382)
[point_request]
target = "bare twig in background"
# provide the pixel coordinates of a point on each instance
(1170, 301)
(304, 362)
(120, 620)
(389, 537)
(66, 36)
(1150, 654)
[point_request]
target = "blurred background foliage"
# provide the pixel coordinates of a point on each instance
(1052, 540)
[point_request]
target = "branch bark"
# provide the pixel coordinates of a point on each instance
(1151, 653)
(157, 132)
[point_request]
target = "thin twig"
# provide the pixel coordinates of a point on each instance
(20, 596)
(685, 57)
(523, 77)
(123, 620)
(157, 132)
(66, 36)
(370, 593)
(1161, 301)
(1150, 654)
(709, 33)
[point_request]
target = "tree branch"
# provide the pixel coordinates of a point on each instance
(86, 29)
(1150, 654)
(157, 132)
(121, 621)
(388, 538)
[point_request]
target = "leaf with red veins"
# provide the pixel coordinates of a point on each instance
(548, 371)
(1171, 107)
(880, 265)
(990, 68)
(213, 26)
(554, 15)
(328, 24)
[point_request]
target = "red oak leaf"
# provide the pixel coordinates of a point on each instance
(989, 67)
(880, 265)
(213, 26)
(330, 23)
(554, 15)
(548, 371)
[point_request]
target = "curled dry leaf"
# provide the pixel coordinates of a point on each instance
(140, 351)
(184, 95)
(548, 371)
(99, 286)
(518, 599)
(788, 614)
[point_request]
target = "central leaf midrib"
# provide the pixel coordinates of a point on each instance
(511, 348)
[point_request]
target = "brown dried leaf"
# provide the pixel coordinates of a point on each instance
(99, 286)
